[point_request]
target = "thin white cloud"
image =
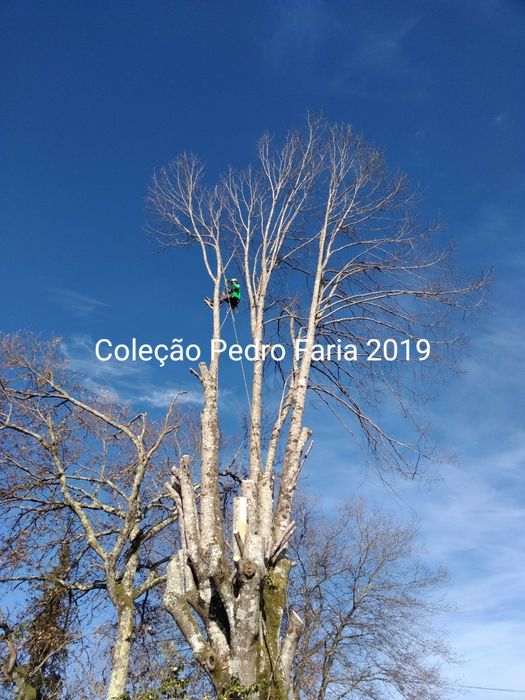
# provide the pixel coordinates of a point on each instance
(300, 25)
(383, 48)
(81, 305)
(369, 48)
(79, 350)
(129, 382)
(161, 397)
(376, 62)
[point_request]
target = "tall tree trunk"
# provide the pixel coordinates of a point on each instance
(121, 652)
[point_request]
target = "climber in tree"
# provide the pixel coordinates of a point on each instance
(233, 295)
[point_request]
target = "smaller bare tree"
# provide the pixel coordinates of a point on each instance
(366, 598)
(79, 466)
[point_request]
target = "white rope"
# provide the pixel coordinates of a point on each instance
(230, 311)
(224, 320)
(242, 366)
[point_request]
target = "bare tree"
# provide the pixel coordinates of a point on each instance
(329, 246)
(11, 672)
(47, 632)
(365, 596)
(76, 467)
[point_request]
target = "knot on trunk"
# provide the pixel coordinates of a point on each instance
(210, 661)
(248, 568)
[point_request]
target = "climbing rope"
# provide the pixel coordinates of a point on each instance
(248, 398)
(230, 311)
(225, 319)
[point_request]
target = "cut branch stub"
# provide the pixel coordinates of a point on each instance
(240, 524)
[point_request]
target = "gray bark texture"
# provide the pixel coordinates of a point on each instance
(121, 653)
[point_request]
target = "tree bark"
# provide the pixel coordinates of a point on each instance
(121, 652)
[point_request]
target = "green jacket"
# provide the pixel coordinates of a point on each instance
(235, 291)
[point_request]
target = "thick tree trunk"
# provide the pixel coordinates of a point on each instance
(271, 673)
(24, 690)
(231, 615)
(121, 652)
(260, 659)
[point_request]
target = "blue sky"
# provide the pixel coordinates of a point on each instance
(95, 96)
